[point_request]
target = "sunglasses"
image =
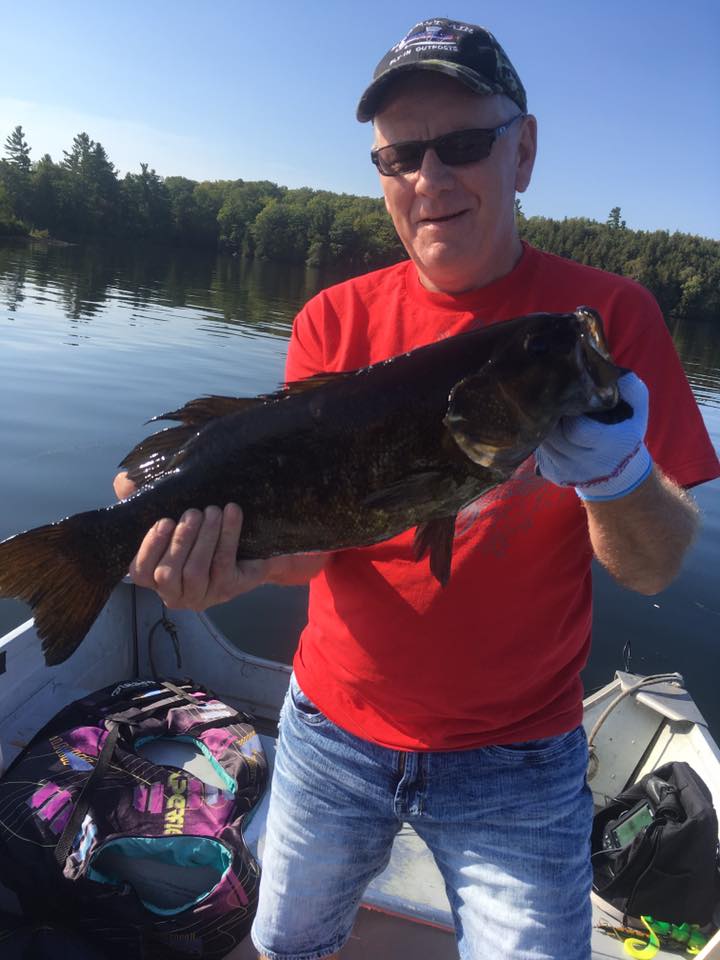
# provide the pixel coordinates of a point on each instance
(453, 149)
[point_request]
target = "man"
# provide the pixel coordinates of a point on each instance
(456, 709)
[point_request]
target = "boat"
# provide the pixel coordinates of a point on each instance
(634, 724)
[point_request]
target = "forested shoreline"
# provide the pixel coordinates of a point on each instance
(83, 198)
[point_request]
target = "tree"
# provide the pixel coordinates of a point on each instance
(46, 191)
(146, 205)
(91, 192)
(208, 198)
(183, 209)
(280, 232)
(614, 221)
(15, 173)
(17, 150)
(9, 225)
(242, 205)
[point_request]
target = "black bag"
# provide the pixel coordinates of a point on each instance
(654, 848)
(21, 940)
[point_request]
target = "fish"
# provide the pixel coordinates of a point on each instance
(331, 462)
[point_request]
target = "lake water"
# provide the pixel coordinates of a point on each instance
(95, 341)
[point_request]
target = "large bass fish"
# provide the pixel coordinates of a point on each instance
(343, 460)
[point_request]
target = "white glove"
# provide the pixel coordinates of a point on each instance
(602, 461)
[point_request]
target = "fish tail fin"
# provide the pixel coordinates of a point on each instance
(66, 573)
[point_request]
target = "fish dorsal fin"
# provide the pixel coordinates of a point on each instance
(202, 410)
(315, 381)
(161, 453)
(436, 537)
(153, 457)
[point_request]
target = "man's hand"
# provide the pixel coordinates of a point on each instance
(602, 461)
(192, 563)
(640, 523)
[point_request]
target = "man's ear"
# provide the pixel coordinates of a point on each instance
(526, 151)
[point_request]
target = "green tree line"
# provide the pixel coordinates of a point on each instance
(83, 197)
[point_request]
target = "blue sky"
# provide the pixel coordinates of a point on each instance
(626, 93)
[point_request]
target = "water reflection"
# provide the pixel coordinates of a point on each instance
(85, 280)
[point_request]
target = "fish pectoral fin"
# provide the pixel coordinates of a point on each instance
(479, 403)
(485, 421)
(153, 457)
(436, 537)
(202, 410)
(413, 487)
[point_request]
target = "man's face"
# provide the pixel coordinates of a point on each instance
(456, 222)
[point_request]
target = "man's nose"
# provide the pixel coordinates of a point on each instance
(434, 176)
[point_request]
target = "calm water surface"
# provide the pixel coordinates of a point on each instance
(95, 341)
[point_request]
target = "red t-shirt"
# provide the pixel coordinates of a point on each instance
(495, 656)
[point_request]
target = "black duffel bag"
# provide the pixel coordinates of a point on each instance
(26, 940)
(655, 848)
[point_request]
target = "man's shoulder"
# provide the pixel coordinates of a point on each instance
(335, 328)
(363, 286)
(554, 269)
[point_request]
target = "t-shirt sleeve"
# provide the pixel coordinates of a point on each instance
(306, 355)
(677, 437)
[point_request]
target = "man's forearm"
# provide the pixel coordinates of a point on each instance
(642, 538)
(295, 570)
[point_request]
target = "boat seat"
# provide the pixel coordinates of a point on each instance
(410, 886)
(666, 699)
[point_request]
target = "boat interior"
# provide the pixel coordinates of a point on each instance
(634, 725)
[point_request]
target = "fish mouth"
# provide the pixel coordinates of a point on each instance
(598, 374)
(597, 395)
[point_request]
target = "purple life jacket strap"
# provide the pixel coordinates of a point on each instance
(83, 801)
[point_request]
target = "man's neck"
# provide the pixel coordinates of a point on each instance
(482, 274)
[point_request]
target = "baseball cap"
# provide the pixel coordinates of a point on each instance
(464, 51)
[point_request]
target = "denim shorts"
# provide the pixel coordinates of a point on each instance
(508, 826)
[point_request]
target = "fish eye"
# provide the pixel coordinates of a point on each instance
(556, 340)
(537, 344)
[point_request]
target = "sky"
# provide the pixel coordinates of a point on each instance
(626, 92)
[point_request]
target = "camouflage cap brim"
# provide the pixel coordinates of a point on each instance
(466, 52)
(377, 91)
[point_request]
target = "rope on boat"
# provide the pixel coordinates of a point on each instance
(166, 623)
(673, 678)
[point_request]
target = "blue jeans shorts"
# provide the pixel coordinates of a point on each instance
(508, 826)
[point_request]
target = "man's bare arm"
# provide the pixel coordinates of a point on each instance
(641, 538)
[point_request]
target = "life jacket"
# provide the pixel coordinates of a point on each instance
(149, 858)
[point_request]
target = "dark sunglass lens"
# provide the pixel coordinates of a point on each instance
(399, 158)
(465, 146)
